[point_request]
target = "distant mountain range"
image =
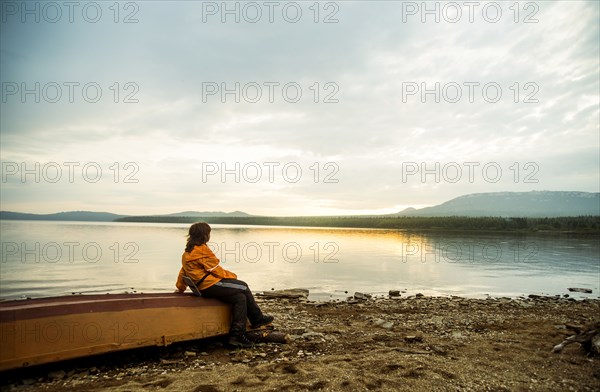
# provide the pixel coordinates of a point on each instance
(208, 214)
(503, 204)
(91, 216)
(514, 204)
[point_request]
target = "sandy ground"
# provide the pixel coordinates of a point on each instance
(388, 344)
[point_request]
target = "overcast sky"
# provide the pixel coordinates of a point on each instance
(332, 115)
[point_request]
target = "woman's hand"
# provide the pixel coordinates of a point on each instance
(178, 292)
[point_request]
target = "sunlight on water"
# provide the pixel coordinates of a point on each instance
(58, 258)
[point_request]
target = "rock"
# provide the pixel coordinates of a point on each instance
(419, 295)
(595, 349)
(437, 350)
(394, 293)
(457, 335)
(311, 335)
(379, 322)
(523, 304)
(359, 295)
(580, 290)
(57, 375)
(539, 297)
(413, 338)
(189, 354)
(387, 325)
(28, 381)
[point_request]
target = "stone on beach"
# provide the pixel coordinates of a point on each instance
(359, 295)
(580, 290)
(57, 375)
(435, 343)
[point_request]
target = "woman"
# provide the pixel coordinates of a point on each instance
(202, 266)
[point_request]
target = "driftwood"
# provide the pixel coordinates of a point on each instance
(409, 351)
(290, 293)
(267, 336)
(588, 336)
(432, 350)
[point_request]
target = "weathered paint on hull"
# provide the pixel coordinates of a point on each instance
(45, 330)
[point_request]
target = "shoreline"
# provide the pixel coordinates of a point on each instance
(401, 343)
(339, 296)
(431, 230)
(543, 226)
(412, 293)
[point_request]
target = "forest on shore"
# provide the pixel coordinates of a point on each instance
(579, 224)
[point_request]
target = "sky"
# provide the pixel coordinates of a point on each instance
(294, 108)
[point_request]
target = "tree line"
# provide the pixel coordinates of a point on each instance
(579, 224)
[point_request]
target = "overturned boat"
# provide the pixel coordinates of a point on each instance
(37, 331)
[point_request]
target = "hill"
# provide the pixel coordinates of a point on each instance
(89, 216)
(515, 204)
(208, 214)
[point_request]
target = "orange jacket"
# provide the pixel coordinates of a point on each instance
(198, 263)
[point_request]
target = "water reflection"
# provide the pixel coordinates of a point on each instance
(57, 258)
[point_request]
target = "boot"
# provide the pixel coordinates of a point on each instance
(240, 341)
(264, 320)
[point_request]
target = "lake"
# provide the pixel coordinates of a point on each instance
(44, 258)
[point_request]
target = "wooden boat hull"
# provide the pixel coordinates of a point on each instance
(44, 330)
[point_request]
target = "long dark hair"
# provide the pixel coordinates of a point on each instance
(199, 234)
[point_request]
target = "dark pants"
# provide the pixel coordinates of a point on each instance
(238, 294)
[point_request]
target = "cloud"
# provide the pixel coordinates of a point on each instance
(355, 108)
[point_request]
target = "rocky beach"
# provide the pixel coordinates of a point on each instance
(365, 343)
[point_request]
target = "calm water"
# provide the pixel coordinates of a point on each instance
(56, 258)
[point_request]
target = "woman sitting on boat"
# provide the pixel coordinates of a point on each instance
(201, 265)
